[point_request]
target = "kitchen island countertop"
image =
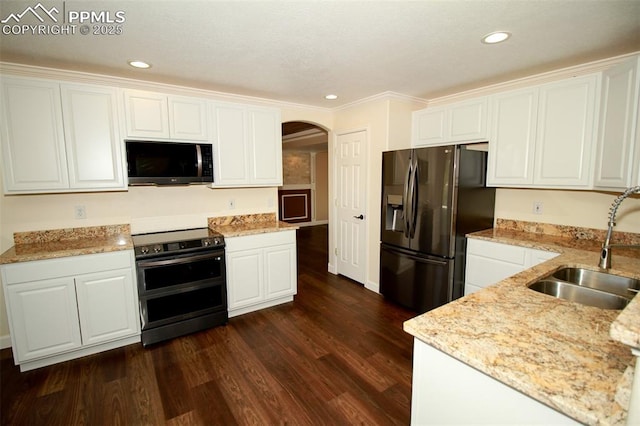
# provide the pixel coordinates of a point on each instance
(566, 355)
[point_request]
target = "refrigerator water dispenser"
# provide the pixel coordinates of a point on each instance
(394, 214)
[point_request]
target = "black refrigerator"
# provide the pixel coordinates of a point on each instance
(431, 198)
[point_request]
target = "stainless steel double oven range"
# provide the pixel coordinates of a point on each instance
(181, 282)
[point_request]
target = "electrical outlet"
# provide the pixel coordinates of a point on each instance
(537, 207)
(80, 212)
(232, 204)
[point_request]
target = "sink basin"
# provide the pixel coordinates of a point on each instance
(579, 294)
(623, 286)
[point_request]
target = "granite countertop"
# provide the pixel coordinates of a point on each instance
(56, 243)
(51, 244)
(566, 355)
(236, 226)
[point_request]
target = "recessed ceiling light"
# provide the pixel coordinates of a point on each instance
(139, 64)
(331, 97)
(496, 37)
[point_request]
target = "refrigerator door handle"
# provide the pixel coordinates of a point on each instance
(414, 198)
(405, 201)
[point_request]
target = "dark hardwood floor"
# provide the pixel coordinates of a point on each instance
(337, 355)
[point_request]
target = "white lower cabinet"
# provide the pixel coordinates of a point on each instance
(261, 271)
(60, 309)
(448, 391)
(489, 262)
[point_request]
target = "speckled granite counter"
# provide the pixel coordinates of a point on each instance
(235, 226)
(559, 353)
(40, 245)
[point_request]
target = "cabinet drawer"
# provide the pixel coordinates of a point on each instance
(502, 252)
(66, 266)
(250, 242)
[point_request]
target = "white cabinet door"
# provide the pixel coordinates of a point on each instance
(188, 118)
(107, 306)
(33, 146)
(429, 126)
(565, 132)
(465, 121)
(488, 262)
(160, 116)
(280, 271)
(92, 135)
(543, 136)
(245, 278)
(265, 140)
(247, 145)
(261, 271)
(231, 150)
(469, 120)
(44, 318)
(147, 114)
(513, 137)
(618, 123)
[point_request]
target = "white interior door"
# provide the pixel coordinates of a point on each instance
(352, 190)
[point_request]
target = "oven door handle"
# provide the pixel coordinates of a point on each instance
(152, 263)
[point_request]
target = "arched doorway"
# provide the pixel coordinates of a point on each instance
(304, 197)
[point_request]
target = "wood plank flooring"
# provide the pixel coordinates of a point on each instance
(337, 355)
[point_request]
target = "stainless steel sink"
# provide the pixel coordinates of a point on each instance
(583, 295)
(623, 286)
(587, 287)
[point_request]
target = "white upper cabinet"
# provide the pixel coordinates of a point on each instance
(543, 136)
(465, 121)
(94, 147)
(513, 137)
(265, 142)
(617, 136)
(156, 116)
(33, 151)
(247, 144)
(566, 133)
(59, 137)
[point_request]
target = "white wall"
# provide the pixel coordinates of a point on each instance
(388, 123)
(586, 209)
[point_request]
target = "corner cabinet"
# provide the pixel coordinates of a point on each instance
(261, 271)
(247, 143)
(159, 116)
(544, 136)
(59, 137)
(488, 262)
(465, 121)
(60, 309)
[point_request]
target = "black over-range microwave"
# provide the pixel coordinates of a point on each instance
(168, 163)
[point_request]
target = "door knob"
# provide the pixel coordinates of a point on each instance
(361, 217)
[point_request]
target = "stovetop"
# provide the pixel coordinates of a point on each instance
(176, 242)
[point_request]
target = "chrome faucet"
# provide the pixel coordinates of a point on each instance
(605, 254)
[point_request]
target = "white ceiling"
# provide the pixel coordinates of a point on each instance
(298, 51)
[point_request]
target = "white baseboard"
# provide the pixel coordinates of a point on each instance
(5, 341)
(332, 269)
(375, 287)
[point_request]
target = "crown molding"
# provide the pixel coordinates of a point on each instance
(389, 95)
(547, 77)
(21, 70)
